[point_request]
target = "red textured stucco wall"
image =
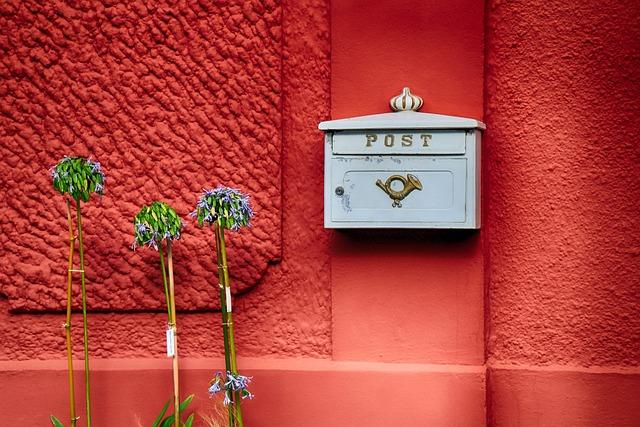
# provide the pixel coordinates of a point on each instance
(562, 218)
(562, 156)
(288, 313)
(171, 98)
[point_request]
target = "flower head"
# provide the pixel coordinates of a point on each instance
(237, 382)
(156, 222)
(234, 383)
(78, 177)
(225, 205)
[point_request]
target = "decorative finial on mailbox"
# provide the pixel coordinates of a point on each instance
(406, 101)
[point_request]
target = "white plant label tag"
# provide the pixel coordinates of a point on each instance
(171, 343)
(227, 290)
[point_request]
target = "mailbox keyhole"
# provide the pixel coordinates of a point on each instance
(339, 191)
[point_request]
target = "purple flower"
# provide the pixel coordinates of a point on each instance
(237, 382)
(227, 400)
(152, 243)
(234, 383)
(227, 205)
(215, 388)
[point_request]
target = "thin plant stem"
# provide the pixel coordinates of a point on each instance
(67, 325)
(84, 313)
(172, 294)
(232, 348)
(223, 300)
(223, 311)
(164, 282)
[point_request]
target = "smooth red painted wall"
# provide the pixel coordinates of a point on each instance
(289, 392)
(407, 295)
(563, 396)
(434, 47)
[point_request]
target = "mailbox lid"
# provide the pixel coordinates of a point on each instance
(442, 198)
(402, 120)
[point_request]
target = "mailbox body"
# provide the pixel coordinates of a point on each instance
(364, 155)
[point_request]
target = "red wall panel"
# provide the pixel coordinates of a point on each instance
(562, 116)
(407, 295)
(434, 47)
(288, 313)
(170, 98)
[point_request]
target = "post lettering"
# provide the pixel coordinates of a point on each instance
(388, 140)
(407, 140)
(425, 139)
(371, 138)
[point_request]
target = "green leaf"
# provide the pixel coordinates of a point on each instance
(56, 422)
(189, 421)
(186, 403)
(168, 421)
(158, 419)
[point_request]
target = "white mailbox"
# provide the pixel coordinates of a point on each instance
(403, 169)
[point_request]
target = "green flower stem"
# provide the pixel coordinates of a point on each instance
(223, 301)
(84, 312)
(172, 294)
(164, 281)
(230, 348)
(223, 312)
(67, 325)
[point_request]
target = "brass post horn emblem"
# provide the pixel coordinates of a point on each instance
(410, 183)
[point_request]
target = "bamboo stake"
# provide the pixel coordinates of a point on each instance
(67, 325)
(84, 313)
(223, 311)
(164, 282)
(176, 395)
(222, 265)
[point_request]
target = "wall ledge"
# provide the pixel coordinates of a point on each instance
(246, 363)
